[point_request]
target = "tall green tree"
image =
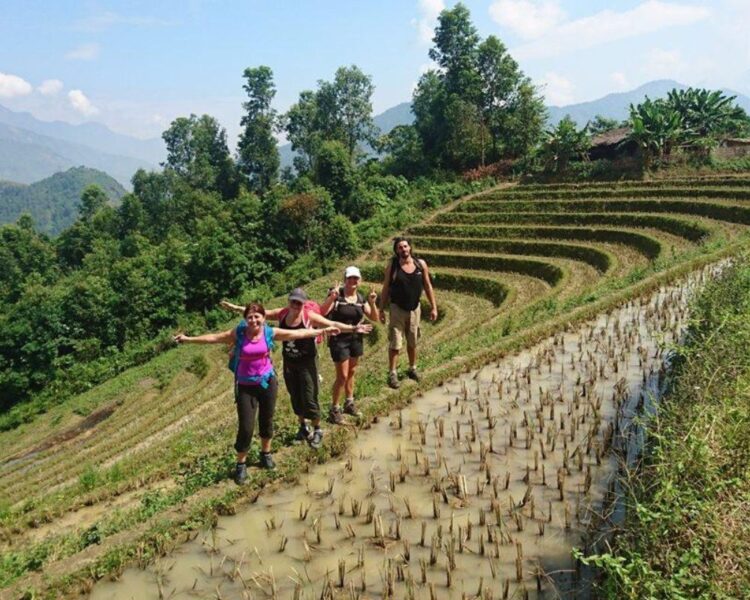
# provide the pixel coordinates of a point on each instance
(257, 149)
(301, 126)
(197, 152)
(456, 51)
(478, 106)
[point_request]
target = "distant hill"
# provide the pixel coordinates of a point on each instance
(93, 135)
(53, 202)
(615, 106)
(26, 157)
(385, 121)
(31, 149)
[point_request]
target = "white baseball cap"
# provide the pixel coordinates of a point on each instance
(352, 272)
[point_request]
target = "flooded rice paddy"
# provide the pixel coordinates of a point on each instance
(478, 489)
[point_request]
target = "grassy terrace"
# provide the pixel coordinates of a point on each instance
(126, 470)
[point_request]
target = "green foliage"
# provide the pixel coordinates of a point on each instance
(684, 536)
(478, 107)
(197, 151)
(257, 148)
(563, 144)
(334, 171)
(602, 124)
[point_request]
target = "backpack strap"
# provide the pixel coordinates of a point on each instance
(395, 265)
(239, 334)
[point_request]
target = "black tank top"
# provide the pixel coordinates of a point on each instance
(297, 349)
(406, 288)
(350, 313)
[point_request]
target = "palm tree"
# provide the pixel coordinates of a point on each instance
(655, 128)
(564, 143)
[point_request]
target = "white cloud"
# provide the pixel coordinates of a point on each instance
(50, 87)
(84, 52)
(619, 80)
(428, 14)
(81, 103)
(658, 63)
(558, 90)
(609, 26)
(107, 19)
(12, 86)
(527, 18)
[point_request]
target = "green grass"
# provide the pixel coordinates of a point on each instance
(687, 532)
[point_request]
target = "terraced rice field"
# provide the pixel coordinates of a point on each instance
(124, 472)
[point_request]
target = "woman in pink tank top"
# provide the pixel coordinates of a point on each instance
(255, 379)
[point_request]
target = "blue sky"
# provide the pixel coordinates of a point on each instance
(137, 65)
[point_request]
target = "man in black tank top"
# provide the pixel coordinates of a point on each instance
(405, 279)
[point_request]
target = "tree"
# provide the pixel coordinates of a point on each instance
(456, 52)
(301, 126)
(655, 128)
(352, 107)
(478, 106)
(93, 198)
(197, 152)
(601, 124)
(334, 171)
(258, 151)
(404, 152)
(564, 143)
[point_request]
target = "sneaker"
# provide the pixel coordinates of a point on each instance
(412, 374)
(303, 433)
(240, 473)
(316, 439)
(266, 460)
(393, 380)
(335, 416)
(350, 408)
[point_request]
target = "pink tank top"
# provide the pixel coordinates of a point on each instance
(254, 358)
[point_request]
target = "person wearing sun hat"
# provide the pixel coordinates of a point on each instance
(345, 304)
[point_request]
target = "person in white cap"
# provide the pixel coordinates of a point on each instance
(345, 304)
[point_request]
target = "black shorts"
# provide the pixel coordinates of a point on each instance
(346, 346)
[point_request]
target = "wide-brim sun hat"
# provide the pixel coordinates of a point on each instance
(352, 271)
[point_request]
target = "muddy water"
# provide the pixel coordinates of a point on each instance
(478, 489)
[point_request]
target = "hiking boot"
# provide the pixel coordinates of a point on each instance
(240, 473)
(303, 433)
(393, 380)
(316, 439)
(350, 408)
(266, 461)
(335, 416)
(412, 374)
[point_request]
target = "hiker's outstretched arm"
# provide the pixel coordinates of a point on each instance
(321, 321)
(223, 337)
(285, 335)
(274, 314)
(227, 305)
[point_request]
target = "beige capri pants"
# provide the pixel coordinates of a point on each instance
(403, 323)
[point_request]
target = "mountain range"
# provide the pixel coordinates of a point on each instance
(31, 149)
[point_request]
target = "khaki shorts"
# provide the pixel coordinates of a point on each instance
(403, 323)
